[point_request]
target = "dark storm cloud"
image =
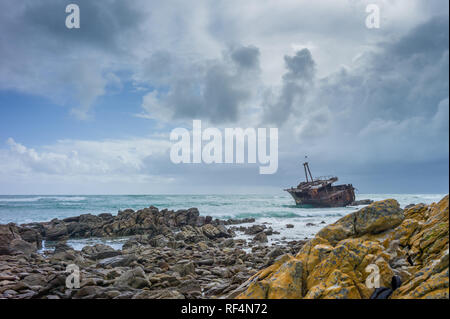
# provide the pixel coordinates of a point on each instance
(403, 80)
(407, 78)
(429, 38)
(214, 90)
(247, 57)
(103, 23)
(389, 108)
(300, 66)
(296, 81)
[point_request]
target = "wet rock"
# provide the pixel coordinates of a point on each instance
(289, 226)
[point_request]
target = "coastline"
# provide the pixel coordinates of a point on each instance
(175, 254)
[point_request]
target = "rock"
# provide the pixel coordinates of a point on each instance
(61, 247)
(170, 294)
(275, 252)
(334, 263)
(117, 261)
(289, 226)
(87, 292)
(134, 278)
(21, 246)
(100, 251)
(371, 219)
(361, 202)
(170, 255)
(56, 230)
(261, 237)
(228, 243)
(253, 230)
(35, 280)
(310, 224)
(7, 234)
(213, 232)
(31, 235)
(148, 221)
(159, 241)
(184, 268)
(191, 289)
(63, 256)
(205, 262)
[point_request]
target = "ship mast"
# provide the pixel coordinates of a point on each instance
(306, 167)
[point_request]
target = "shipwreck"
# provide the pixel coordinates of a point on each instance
(321, 192)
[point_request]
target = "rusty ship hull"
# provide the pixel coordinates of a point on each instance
(320, 192)
(332, 196)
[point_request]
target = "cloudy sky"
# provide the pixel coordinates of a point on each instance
(90, 110)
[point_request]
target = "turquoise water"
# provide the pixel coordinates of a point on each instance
(275, 210)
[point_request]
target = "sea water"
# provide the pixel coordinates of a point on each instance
(276, 210)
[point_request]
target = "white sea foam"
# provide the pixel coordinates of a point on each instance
(35, 199)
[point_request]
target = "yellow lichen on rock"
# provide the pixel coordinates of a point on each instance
(412, 244)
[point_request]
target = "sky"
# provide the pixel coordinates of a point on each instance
(90, 110)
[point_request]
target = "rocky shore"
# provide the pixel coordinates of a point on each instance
(169, 254)
(180, 254)
(409, 249)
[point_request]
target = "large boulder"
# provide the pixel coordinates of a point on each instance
(337, 262)
(56, 230)
(11, 242)
(8, 233)
(22, 247)
(31, 235)
(373, 219)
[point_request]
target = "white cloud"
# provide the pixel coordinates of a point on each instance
(79, 162)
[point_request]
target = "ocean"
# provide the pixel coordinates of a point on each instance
(274, 210)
